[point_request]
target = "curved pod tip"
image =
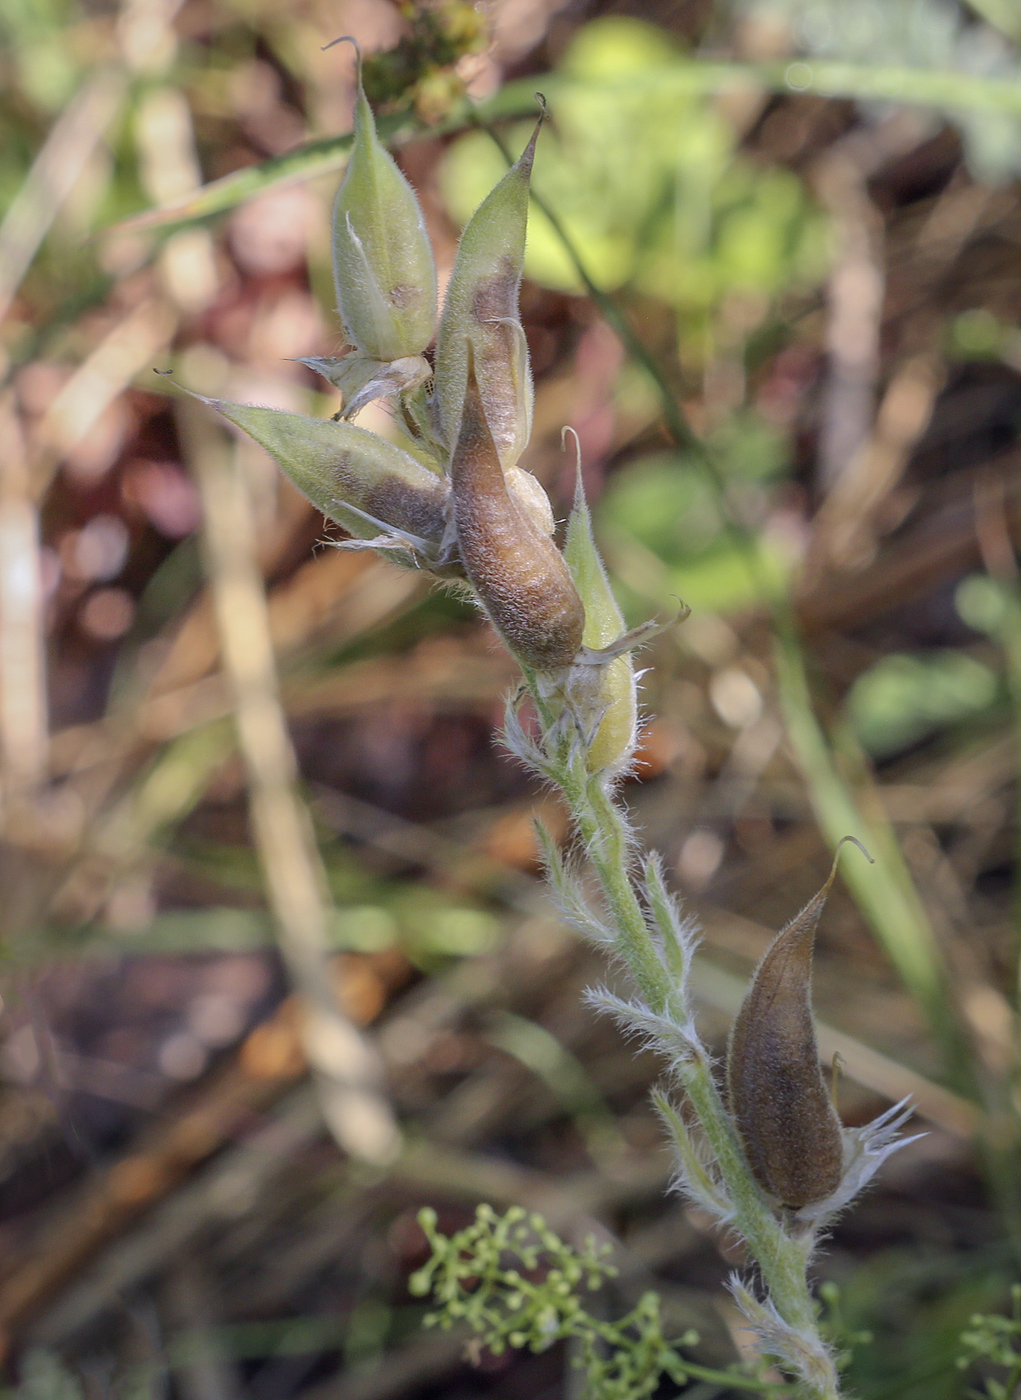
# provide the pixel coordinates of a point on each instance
(789, 1129)
(481, 308)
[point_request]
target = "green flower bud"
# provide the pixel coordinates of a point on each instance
(788, 1126)
(382, 262)
(361, 481)
(517, 571)
(614, 691)
(481, 309)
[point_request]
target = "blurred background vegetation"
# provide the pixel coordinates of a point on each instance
(773, 280)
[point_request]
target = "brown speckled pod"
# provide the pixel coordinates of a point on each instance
(778, 1097)
(517, 571)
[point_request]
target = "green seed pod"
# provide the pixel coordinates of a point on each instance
(616, 692)
(382, 261)
(778, 1098)
(338, 466)
(481, 309)
(516, 569)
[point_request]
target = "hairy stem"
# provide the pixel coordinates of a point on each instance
(781, 1256)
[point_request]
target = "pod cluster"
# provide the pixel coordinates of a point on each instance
(446, 491)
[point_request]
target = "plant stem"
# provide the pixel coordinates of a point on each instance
(782, 1257)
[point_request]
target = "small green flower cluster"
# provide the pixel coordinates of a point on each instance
(515, 1283)
(995, 1340)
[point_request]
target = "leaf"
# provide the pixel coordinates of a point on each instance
(944, 89)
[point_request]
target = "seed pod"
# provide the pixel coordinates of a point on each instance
(531, 496)
(481, 309)
(616, 692)
(337, 465)
(382, 261)
(778, 1098)
(516, 569)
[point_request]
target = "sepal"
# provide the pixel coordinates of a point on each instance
(865, 1149)
(362, 379)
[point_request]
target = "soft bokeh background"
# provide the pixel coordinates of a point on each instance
(773, 281)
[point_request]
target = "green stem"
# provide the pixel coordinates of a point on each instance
(782, 1259)
(605, 835)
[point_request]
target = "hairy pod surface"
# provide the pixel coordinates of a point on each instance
(517, 571)
(337, 465)
(530, 495)
(778, 1098)
(481, 310)
(383, 264)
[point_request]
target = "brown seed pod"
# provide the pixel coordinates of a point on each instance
(778, 1098)
(517, 571)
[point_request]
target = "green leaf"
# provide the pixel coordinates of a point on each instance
(944, 89)
(903, 698)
